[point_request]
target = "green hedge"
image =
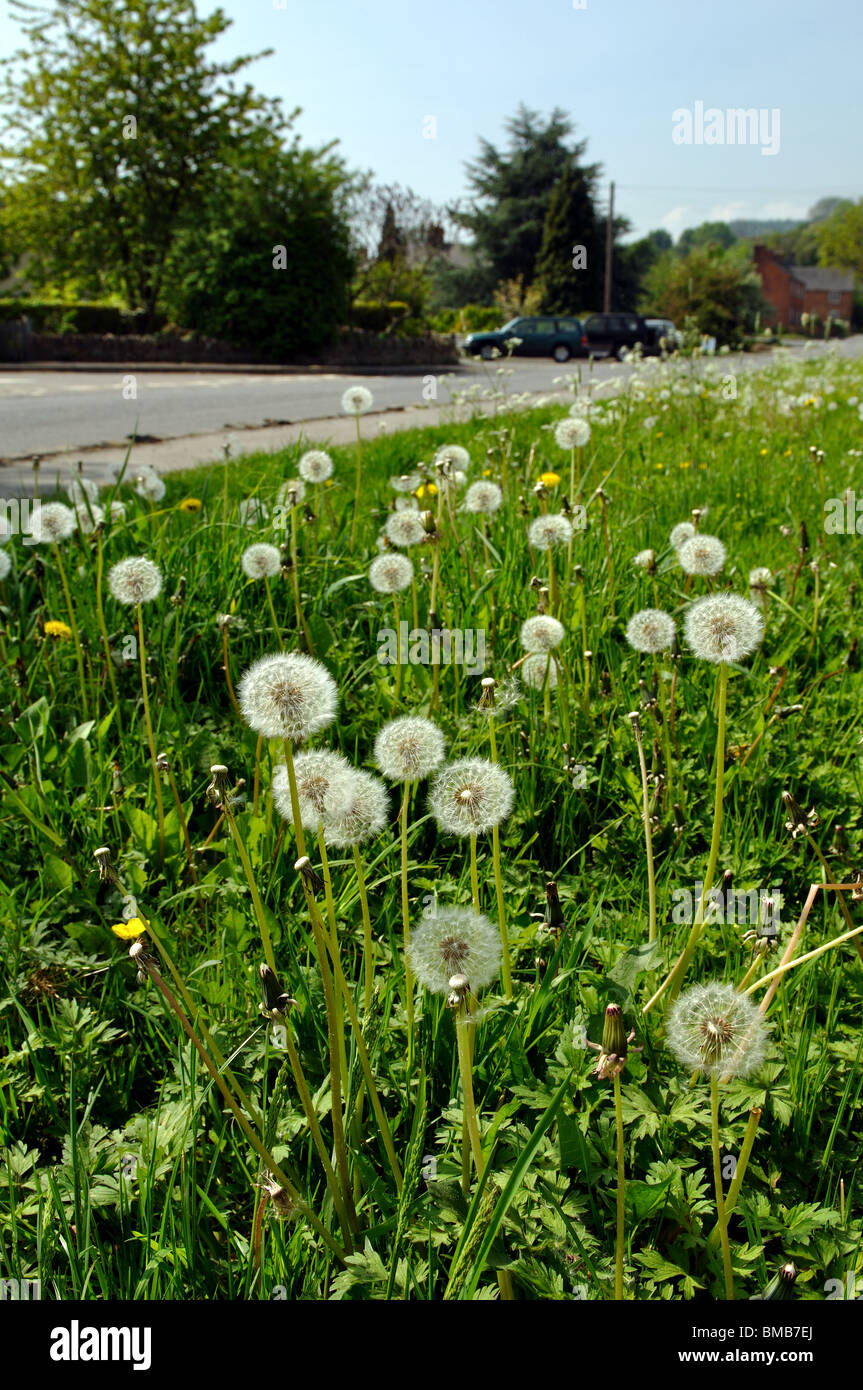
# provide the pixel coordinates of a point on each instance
(473, 318)
(374, 316)
(48, 316)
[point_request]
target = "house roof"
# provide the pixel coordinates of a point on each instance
(816, 277)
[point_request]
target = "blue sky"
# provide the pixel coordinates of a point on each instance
(370, 72)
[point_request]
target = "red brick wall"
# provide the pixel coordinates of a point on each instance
(818, 302)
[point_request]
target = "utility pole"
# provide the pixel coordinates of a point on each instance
(609, 247)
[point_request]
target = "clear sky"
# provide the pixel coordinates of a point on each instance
(370, 72)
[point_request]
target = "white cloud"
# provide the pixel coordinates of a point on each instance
(675, 220)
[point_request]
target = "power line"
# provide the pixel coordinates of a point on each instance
(759, 192)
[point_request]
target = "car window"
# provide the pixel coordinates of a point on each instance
(595, 323)
(545, 326)
(631, 325)
(513, 325)
(523, 326)
(569, 325)
(615, 323)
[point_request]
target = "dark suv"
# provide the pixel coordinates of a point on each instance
(560, 338)
(614, 334)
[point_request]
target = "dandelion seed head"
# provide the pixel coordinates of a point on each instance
(651, 630)
(723, 627)
(149, 485)
(682, 532)
(51, 523)
(315, 466)
(80, 488)
(288, 695)
(405, 527)
(471, 796)
(292, 493)
(760, 578)
(252, 511)
(135, 580)
(482, 498)
(5, 564)
(645, 559)
(455, 941)
(454, 457)
(357, 400)
(407, 482)
(542, 633)
(408, 749)
(548, 531)
(317, 772)
(702, 555)
(572, 433)
(538, 668)
(390, 573)
(89, 518)
(261, 561)
(714, 1028)
(356, 809)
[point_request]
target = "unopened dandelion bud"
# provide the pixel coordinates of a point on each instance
(554, 918)
(178, 598)
(217, 791)
(103, 860)
(804, 539)
(276, 1001)
(614, 1032)
(781, 1286)
(162, 762)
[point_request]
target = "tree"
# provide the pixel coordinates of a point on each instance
(720, 289)
(268, 264)
(570, 267)
(840, 238)
(119, 125)
(708, 234)
(512, 192)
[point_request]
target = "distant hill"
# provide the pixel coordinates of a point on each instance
(753, 226)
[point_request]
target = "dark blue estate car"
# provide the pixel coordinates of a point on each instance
(560, 338)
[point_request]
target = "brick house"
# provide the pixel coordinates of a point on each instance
(794, 290)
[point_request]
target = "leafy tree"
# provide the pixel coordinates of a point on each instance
(512, 192)
(708, 234)
(718, 288)
(269, 263)
(118, 126)
(840, 238)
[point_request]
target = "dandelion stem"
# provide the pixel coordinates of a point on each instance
(739, 1171)
(474, 876)
(368, 943)
(273, 618)
(257, 904)
(103, 629)
(621, 1195)
(160, 809)
(648, 834)
(717, 1182)
(406, 928)
(462, 1023)
(299, 833)
(357, 489)
(317, 1137)
(79, 655)
(227, 669)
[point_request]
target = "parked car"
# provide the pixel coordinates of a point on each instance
(611, 335)
(560, 338)
(665, 334)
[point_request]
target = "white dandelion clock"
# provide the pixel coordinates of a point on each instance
(390, 573)
(482, 498)
(542, 633)
(51, 523)
(723, 627)
(407, 482)
(717, 1030)
(261, 561)
(135, 580)
(704, 555)
(538, 670)
(405, 528)
(571, 433)
(89, 517)
(682, 532)
(149, 485)
(408, 749)
(471, 796)
(5, 564)
(79, 488)
(651, 630)
(315, 466)
(356, 809)
(292, 493)
(117, 511)
(546, 532)
(455, 941)
(453, 457)
(289, 695)
(645, 559)
(317, 773)
(357, 400)
(252, 511)
(760, 578)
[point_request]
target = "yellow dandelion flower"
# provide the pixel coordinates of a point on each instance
(788, 453)
(810, 401)
(550, 479)
(486, 472)
(659, 434)
(762, 452)
(426, 488)
(54, 628)
(659, 466)
(190, 504)
(128, 930)
(687, 463)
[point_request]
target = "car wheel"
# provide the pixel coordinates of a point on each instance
(561, 353)
(486, 352)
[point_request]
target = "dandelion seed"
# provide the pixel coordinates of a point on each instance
(405, 528)
(315, 466)
(51, 523)
(135, 580)
(723, 627)
(471, 796)
(289, 695)
(408, 749)
(645, 559)
(571, 433)
(261, 561)
(704, 555)
(455, 941)
(482, 498)
(717, 1030)
(390, 573)
(548, 531)
(681, 533)
(357, 400)
(651, 630)
(542, 633)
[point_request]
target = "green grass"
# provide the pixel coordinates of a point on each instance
(124, 1174)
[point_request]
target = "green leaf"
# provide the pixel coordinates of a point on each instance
(58, 873)
(631, 964)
